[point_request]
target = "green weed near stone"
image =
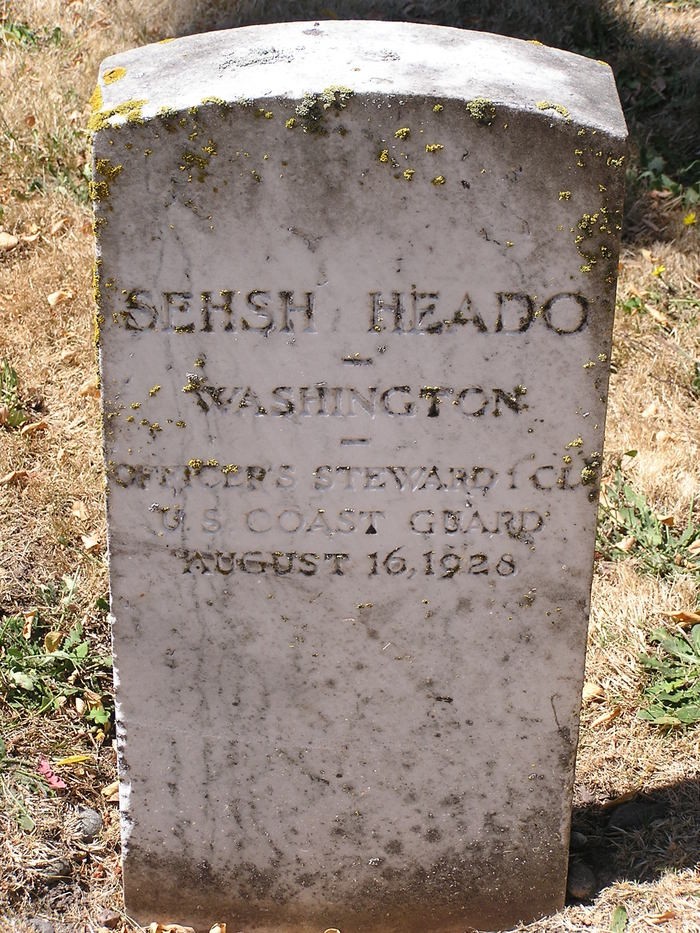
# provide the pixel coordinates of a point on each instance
(47, 660)
(21, 34)
(652, 175)
(673, 696)
(629, 527)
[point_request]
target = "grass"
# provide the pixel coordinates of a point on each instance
(54, 699)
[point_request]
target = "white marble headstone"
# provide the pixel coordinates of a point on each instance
(356, 286)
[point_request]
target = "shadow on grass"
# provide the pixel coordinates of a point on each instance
(641, 838)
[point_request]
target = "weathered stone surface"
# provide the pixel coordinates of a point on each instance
(356, 289)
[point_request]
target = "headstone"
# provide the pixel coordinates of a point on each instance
(356, 286)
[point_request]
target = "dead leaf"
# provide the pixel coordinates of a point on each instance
(16, 476)
(8, 241)
(73, 760)
(661, 437)
(91, 387)
(59, 297)
(592, 691)
(4, 415)
(90, 542)
(58, 225)
(29, 237)
(218, 928)
(33, 427)
(626, 544)
(667, 520)
(683, 618)
(80, 705)
(111, 791)
(30, 120)
(606, 717)
(52, 641)
(623, 798)
(693, 548)
(652, 409)
(662, 918)
(68, 356)
(79, 510)
(659, 317)
(29, 620)
(169, 928)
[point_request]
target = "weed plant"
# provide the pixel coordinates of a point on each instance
(12, 414)
(629, 526)
(47, 661)
(673, 696)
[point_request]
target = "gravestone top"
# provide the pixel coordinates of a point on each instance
(292, 59)
(356, 290)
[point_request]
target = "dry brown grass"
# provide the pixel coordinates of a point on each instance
(650, 868)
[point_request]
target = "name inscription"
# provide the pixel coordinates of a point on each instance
(418, 312)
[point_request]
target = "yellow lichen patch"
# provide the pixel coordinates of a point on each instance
(130, 110)
(96, 100)
(383, 155)
(105, 173)
(433, 147)
(438, 180)
(409, 173)
(163, 41)
(548, 105)
(290, 123)
(438, 108)
(481, 110)
(113, 74)
(313, 107)
(564, 195)
(403, 132)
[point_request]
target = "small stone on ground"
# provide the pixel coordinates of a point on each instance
(581, 881)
